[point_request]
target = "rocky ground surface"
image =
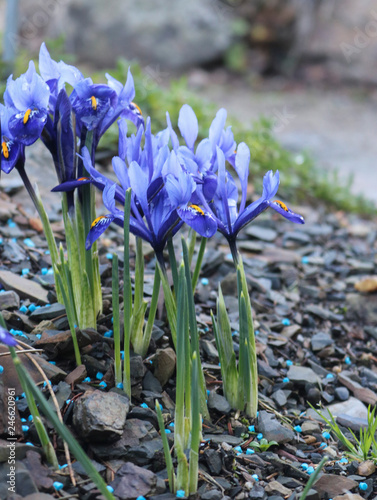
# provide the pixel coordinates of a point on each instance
(316, 327)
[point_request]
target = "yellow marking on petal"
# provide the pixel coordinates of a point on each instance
(83, 179)
(94, 103)
(282, 205)
(137, 107)
(197, 209)
(4, 147)
(27, 116)
(96, 221)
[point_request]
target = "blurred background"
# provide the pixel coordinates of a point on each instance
(298, 77)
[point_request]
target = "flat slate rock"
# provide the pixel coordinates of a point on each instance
(302, 375)
(334, 485)
(49, 312)
(323, 313)
(25, 288)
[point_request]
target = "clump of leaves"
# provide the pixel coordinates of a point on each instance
(263, 444)
(364, 446)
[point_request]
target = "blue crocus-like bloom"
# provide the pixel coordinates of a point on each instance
(6, 337)
(56, 74)
(29, 96)
(231, 218)
(10, 148)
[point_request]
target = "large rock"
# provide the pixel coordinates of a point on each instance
(100, 415)
(273, 430)
(163, 33)
(132, 482)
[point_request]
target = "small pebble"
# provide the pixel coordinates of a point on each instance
(363, 486)
(58, 486)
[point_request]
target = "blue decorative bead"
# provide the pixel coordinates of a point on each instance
(347, 360)
(326, 435)
(259, 436)
(343, 461)
(102, 384)
(29, 243)
(30, 418)
(23, 419)
(11, 223)
(25, 428)
(50, 271)
(329, 376)
(304, 466)
(285, 380)
(297, 428)
(310, 470)
(180, 494)
(87, 379)
(99, 376)
(363, 486)
(28, 443)
(32, 307)
(204, 281)
(167, 431)
(251, 428)
(23, 309)
(171, 424)
(323, 445)
(110, 488)
(249, 451)
(109, 256)
(44, 271)
(285, 321)
(289, 362)
(120, 385)
(108, 334)
(141, 498)
(1, 369)
(305, 260)
(25, 271)
(255, 477)
(58, 486)
(63, 466)
(238, 448)
(47, 252)
(144, 405)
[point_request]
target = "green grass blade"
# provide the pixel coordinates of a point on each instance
(313, 478)
(127, 296)
(116, 322)
(195, 427)
(165, 444)
(199, 260)
(152, 313)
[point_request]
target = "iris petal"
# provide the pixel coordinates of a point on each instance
(6, 337)
(286, 212)
(202, 222)
(188, 125)
(99, 225)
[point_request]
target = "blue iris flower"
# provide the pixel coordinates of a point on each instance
(230, 217)
(6, 337)
(29, 96)
(10, 148)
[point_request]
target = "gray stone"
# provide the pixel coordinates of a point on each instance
(224, 438)
(137, 367)
(321, 340)
(323, 313)
(144, 454)
(280, 397)
(257, 492)
(276, 488)
(362, 308)
(47, 313)
(326, 485)
(218, 403)
(164, 364)
(273, 430)
(13, 252)
(302, 375)
(342, 393)
(369, 374)
(25, 288)
(212, 495)
(310, 427)
(100, 415)
(353, 423)
(9, 300)
(261, 233)
(213, 461)
(132, 481)
(150, 383)
(360, 392)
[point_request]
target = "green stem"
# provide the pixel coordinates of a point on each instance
(165, 444)
(195, 427)
(152, 312)
(199, 261)
(170, 303)
(127, 296)
(139, 276)
(116, 324)
(191, 246)
(173, 264)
